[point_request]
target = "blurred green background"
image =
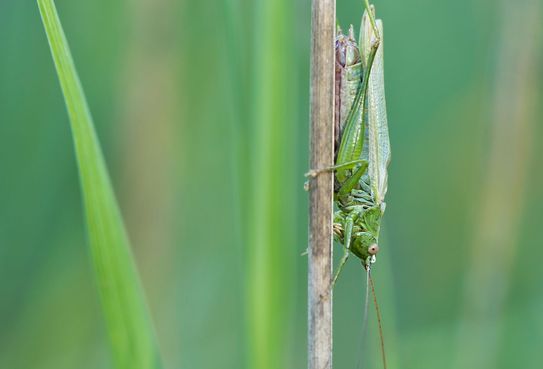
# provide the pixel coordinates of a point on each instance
(202, 110)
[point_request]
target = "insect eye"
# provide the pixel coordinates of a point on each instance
(374, 249)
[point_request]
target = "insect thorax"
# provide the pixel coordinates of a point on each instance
(366, 216)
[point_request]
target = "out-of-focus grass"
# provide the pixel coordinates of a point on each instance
(271, 225)
(488, 280)
(439, 70)
(130, 329)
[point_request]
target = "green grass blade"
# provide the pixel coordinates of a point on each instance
(127, 319)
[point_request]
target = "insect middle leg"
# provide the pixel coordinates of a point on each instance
(353, 181)
(315, 172)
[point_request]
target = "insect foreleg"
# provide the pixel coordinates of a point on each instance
(346, 246)
(341, 264)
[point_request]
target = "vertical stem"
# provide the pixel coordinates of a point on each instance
(320, 208)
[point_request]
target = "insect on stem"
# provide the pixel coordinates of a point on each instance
(361, 148)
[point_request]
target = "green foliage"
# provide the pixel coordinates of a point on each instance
(127, 318)
(200, 60)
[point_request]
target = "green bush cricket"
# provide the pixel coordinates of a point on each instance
(362, 148)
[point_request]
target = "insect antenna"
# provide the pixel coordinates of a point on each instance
(366, 301)
(365, 316)
(378, 313)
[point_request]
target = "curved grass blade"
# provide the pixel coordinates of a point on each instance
(130, 329)
(378, 140)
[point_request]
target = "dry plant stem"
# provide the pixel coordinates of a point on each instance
(320, 222)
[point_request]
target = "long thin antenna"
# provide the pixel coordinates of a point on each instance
(365, 316)
(378, 313)
(366, 300)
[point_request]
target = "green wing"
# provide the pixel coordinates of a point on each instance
(377, 133)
